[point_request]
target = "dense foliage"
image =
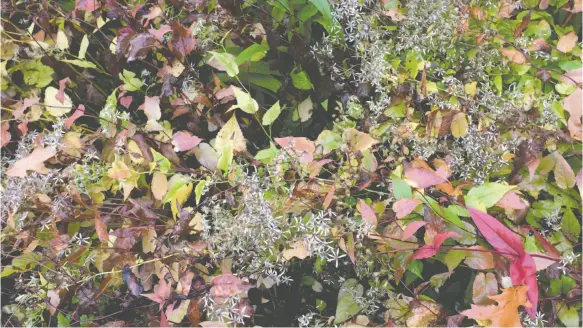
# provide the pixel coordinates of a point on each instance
(291, 162)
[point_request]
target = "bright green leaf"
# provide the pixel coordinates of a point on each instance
(271, 115)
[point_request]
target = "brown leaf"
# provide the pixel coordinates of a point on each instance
(424, 313)
(182, 42)
(513, 55)
(484, 285)
(139, 46)
(567, 42)
(100, 228)
(194, 312)
(480, 259)
(5, 135)
(32, 162)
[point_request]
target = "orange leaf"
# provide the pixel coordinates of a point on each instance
(505, 313)
(513, 55)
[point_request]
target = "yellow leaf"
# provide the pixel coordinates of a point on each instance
(459, 125)
(159, 185)
(231, 133)
(62, 41)
(471, 88)
(55, 107)
(298, 250)
(135, 154)
(180, 196)
(149, 240)
(358, 141)
(119, 171)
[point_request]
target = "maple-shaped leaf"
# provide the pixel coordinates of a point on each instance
(301, 148)
(429, 250)
(184, 140)
(182, 42)
(497, 234)
(503, 314)
(33, 162)
(161, 294)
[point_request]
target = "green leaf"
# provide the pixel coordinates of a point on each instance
(301, 81)
(80, 63)
(486, 195)
(570, 65)
(401, 189)
(329, 141)
(63, 321)
(36, 73)
(267, 156)
(347, 306)
(254, 52)
(411, 64)
(565, 88)
(224, 62)
(226, 157)
(175, 183)
(25, 261)
(416, 268)
(271, 115)
(569, 316)
(198, 190)
(324, 8)
(131, 83)
(570, 224)
(161, 161)
(453, 258)
(244, 101)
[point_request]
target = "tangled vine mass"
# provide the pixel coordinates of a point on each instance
(225, 163)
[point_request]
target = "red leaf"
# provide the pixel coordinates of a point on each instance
(523, 272)
(422, 178)
(80, 111)
(497, 234)
(184, 140)
(405, 206)
(126, 101)
(366, 212)
(429, 250)
(411, 229)
(182, 42)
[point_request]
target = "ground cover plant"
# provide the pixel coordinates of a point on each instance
(291, 163)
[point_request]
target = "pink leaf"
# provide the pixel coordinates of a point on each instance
(412, 228)
(532, 166)
(497, 234)
(512, 201)
(23, 127)
(405, 206)
(541, 261)
(159, 33)
(301, 148)
(422, 178)
(579, 179)
(184, 140)
(523, 272)
(431, 249)
(61, 94)
(126, 101)
(151, 108)
(161, 294)
(80, 111)
(366, 212)
(25, 104)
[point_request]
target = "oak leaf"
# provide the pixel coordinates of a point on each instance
(505, 313)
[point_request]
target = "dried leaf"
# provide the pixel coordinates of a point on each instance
(358, 141)
(567, 42)
(485, 285)
(182, 42)
(513, 55)
(33, 162)
(159, 185)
